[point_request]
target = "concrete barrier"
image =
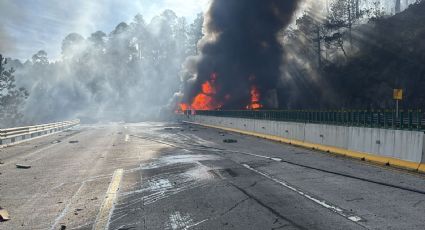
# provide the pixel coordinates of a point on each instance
(15, 135)
(400, 148)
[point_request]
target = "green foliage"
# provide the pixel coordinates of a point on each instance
(11, 97)
(195, 34)
(392, 56)
(387, 52)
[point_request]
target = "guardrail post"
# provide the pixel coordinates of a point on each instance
(401, 119)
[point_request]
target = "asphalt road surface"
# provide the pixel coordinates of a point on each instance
(181, 176)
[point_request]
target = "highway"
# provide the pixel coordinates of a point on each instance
(182, 176)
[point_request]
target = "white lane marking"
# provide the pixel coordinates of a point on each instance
(195, 224)
(255, 155)
(324, 204)
(355, 218)
(127, 138)
(19, 158)
(65, 210)
(105, 213)
(276, 159)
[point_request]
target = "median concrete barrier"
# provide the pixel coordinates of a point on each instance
(400, 148)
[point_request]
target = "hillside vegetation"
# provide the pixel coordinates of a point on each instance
(391, 55)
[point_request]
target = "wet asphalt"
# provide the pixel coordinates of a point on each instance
(181, 176)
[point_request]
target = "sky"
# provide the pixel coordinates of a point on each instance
(27, 26)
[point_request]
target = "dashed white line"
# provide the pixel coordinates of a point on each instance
(31, 154)
(276, 159)
(65, 210)
(194, 225)
(324, 204)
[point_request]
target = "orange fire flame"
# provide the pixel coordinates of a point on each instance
(255, 99)
(184, 107)
(205, 99)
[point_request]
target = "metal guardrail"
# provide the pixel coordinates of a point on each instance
(11, 135)
(388, 119)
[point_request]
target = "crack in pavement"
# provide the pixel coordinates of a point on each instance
(234, 206)
(276, 213)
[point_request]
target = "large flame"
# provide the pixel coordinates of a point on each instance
(184, 107)
(255, 99)
(205, 100)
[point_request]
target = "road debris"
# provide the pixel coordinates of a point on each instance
(63, 227)
(77, 210)
(73, 142)
(56, 141)
(21, 166)
(1, 162)
(4, 215)
(230, 141)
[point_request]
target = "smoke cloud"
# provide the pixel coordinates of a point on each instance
(129, 74)
(6, 42)
(240, 51)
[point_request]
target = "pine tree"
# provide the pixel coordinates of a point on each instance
(11, 97)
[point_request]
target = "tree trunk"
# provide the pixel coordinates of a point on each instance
(350, 22)
(397, 6)
(327, 6)
(319, 48)
(357, 8)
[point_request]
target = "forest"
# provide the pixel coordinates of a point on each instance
(337, 54)
(131, 73)
(355, 56)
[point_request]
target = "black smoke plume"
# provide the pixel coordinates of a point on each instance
(241, 47)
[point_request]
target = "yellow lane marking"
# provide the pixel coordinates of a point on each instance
(105, 212)
(345, 152)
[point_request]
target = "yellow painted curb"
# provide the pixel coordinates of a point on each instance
(404, 164)
(340, 151)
